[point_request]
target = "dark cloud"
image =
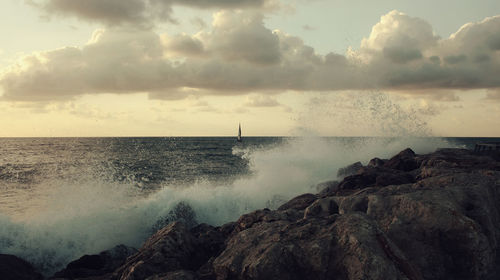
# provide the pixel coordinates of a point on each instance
(139, 13)
(399, 55)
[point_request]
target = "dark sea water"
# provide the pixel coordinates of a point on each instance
(61, 198)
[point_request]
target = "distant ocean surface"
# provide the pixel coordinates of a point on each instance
(61, 198)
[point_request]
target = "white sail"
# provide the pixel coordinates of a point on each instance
(239, 133)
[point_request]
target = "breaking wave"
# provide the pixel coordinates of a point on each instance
(86, 217)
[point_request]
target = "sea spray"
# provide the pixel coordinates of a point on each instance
(85, 217)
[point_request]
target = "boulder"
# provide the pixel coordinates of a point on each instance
(300, 202)
(327, 247)
(170, 249)
(376, 162)
(434, 216)
(327, 188)
(96, 265)
(14, 268)
(404, 161)
(349, 170)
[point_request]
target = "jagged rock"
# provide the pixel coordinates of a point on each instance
(322, 207)
(386, 179)
(170, 249)
(376, 162)
(358, 181)
(331, 247)
(96, 265)
(404, 161)
(14, 268)
(175, 275)
(434, 216)
(300, 202)
(349, 170)
(327, 188)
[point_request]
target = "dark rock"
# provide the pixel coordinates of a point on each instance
(14, 268)
(182, 212)
(333, 247)
(386, 179)
(210, 242)
(96, 265)
(358, 181)
(322, 207)
(327, 188)
(175, 275)
(404, 161)
(349, 170)
(170, 249)
(300, 202)
(434, 216)
(376, 162)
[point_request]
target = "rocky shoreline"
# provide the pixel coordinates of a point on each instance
(432, 216)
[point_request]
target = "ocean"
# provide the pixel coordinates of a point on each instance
(61, 198)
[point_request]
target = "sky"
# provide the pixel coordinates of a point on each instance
(89, 68)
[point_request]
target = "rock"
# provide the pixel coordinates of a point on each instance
(175, 275)
(386, 179)
(376, 162)
(322, 207)
(333, 247)
(358, 181)
(349, 170)
(434, 216)
(170, 249)
(404, 161)
(300, 202)
(327, 188)
(14, 268)
(96, 265)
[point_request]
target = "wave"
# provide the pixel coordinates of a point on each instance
(77, 218)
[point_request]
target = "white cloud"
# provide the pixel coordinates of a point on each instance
(239, 54)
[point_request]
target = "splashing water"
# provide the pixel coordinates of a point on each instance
(89, 216)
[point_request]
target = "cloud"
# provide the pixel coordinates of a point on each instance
(261, 101)
(238, 54)
(142, 13)
(493, 95)
(307, 27)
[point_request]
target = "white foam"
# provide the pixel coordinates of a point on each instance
(90, 216)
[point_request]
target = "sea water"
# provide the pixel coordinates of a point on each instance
(61, 198)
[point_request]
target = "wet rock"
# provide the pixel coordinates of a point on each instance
(404, 161)
(358, 181)
(14, 268)
(333, 247)
(96, 265)
(327, 188)
(322, 207)
(349, 170)
(170, 249)
(376, 162)
(175, 275)
(300, 202)
(434, 216)
(386, 179)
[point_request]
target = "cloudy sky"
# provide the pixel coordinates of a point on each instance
(198, 67)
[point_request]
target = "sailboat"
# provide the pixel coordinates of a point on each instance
(239, 133)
